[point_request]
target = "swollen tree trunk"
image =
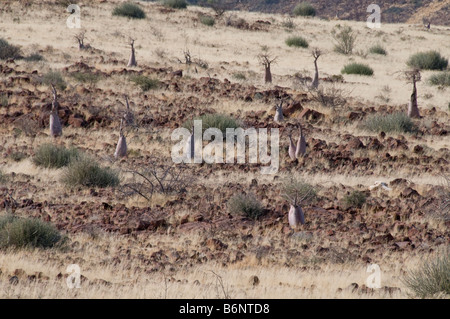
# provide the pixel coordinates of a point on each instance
(296, 216)
(413, 110)
(301, 145)
(292, 148)
(121, 148)
(315, 82)
(268, 76)
(132, 61)
(55, 123)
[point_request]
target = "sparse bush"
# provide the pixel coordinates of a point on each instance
(378, 49)
(440, 79)
(55, 78)
(329, 96)
(357, 68)
(28, 232)
(432, 278)
(144, 82)
(239, 76)
(34, 57)
(51, 156)
(207, 20)
(288, 24)
(176, 4)
(430, 60)
(17, 156)
(85, 171)
(85, 77)
(3, 177)
(298, 191)
(8, 51)
(354, 199)
(129, 10)
(297, 42)
(345, 39)
(304, 9)
(247, 205)
(220, 121)
(397, 122)
(3, 100)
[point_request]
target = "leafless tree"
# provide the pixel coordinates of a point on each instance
(266, 60)
(426, 22)
(316, 53)
(80, 37)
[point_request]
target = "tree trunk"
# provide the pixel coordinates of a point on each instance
(268, 77)
(296, 216)
(315, 82)
(132, 61)
(413, 110)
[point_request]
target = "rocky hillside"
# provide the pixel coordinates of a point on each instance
(402, 11)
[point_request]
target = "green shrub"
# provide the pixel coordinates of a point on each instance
(239, 76)
(85, 77)
(432, 278)
(51, 156)
(440, 79)
(129, 10)
(297, 42)
(378, 49)
(357, 68)
(4, 100)
(207, 20)
(220, 121)
(55, 78)
(8, 51)
(354, 199)
(397, 122)
(3, 177)
(28, 232)
(430, 60)
(85, 171)
(144, 82)
(247, 205)
(304, 9)
(175, 4)
(34, 57)
(17, 156)
(344, 38)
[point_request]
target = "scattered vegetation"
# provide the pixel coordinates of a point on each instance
(247, 205)
(3, 100)
(17, 156)
(220, 121)
(55, 78)
(144, 82)
(239, 76)
(396, 122)
(8, 51)
(354, 199)
(378, 49)
(432, 278)
(175, 4)
(129, 10)
(85, 171)
(85, 77)
(207, 20)
(20, 232)
(34, 57)
(158, 178)
(331, 96)
(440, 79)
(52, 156)
(357, 68)
(297, 41)
(288, 23)
(430, 60)
(344, 38)
(3, 177)
(304, 9)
